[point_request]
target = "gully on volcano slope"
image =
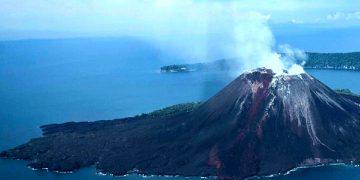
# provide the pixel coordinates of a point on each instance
(259, 124)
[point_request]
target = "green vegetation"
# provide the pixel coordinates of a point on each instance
(346, 61)
(346, 91)
(175, 109)
(175, 68)
(340, 61)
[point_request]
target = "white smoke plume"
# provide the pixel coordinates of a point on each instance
(246, 35)
(254, 46)
(191, 29)
(293, 59)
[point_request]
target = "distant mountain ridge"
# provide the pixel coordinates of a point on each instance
(338, 61)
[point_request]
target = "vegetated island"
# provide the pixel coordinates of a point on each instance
(346, 91)
(218, 65)
(337, 61)
(259, 124)
(177, 68)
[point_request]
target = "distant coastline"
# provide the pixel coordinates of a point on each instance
(333, 61)
(332, 68)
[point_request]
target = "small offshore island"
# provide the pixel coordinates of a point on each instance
(176, 68)
(253, 127)
(336, 61)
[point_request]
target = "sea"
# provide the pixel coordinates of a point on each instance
(87, 79)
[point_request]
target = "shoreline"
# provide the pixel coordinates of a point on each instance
(336, 69)
(135, 172)
(312, 68)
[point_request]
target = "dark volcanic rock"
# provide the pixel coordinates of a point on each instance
(259, 124)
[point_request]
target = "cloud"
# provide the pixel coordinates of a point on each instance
(254, 43)
(344, 16)
(194, 29)
(113, 16)
(296, 21)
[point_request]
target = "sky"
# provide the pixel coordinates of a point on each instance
(161, 17)
(196, 26)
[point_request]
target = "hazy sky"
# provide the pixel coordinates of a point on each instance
(196, 30)
(162, 17)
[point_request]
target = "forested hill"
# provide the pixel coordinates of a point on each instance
(348, 61)
(340, 61)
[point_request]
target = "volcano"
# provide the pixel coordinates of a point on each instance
(260, 124)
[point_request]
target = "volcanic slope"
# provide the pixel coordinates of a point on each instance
(259, 124)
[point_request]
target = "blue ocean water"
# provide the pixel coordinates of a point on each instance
(54, 81)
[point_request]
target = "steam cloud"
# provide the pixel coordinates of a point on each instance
(254, 46)
(193, 30)
(245, 35)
